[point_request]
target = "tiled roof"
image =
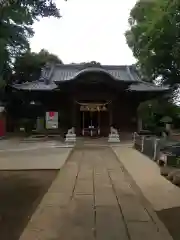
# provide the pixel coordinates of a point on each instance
(35, 86)
(63, 73)
(53, 75)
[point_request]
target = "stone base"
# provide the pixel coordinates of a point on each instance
(71, 138)
(113, 138)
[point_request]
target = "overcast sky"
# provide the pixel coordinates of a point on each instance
(89, 30)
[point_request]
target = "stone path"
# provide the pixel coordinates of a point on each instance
(160, 192)
(42, 158)
(92, 198)
(17, 145)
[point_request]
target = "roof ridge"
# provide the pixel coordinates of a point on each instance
(98, 66)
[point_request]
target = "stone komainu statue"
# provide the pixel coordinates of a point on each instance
(71, 131)
(113, 130)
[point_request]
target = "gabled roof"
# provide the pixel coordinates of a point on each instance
(62, 73)
(54, 75)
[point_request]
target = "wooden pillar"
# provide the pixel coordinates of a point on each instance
(99, 122)
(2, 124)
(110, 115)
(91, 132)
(139, 127)
(40, 124)
(83, 123)
(74, 114)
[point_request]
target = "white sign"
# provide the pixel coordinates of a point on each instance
(51, 120)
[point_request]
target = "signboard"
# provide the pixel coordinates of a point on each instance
(51, 120)
(92, 107)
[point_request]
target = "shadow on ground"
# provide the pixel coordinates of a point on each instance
(20, 194)
(171, 219)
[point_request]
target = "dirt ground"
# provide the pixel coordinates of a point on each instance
(20, 194)
(171, 218)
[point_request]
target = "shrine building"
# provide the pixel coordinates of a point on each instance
(90, 98)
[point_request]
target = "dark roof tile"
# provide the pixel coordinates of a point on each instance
(53, 74)
(147, 87)
(35, 86)
(68, 72)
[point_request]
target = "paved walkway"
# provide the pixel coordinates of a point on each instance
(160, 192)
(17, 155)
(34, 159)
(19, 145)
(93, 198)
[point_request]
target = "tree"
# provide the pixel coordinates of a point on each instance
(28, 66)
(16, 19)
(152, 112)
(154, 38)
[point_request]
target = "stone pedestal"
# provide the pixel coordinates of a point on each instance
(70, 138)
(113, 138)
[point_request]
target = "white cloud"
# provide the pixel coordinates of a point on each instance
(90, 30)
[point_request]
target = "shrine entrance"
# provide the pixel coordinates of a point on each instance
(92, 118)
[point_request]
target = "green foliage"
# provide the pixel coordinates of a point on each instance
(27, 67)
(146, 108)
(158, 111)
(16, 19)
(2, 83)
(154, 39)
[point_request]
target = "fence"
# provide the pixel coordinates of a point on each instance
(138, 142)
(149, 145)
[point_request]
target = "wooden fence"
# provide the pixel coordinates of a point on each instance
(149, 145)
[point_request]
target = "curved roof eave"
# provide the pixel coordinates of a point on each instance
(69, 72)
(95, 70)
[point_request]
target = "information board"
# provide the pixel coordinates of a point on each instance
(51, 120)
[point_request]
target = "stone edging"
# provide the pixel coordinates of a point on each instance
(159, 224)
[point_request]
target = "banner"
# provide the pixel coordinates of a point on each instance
(51, 120)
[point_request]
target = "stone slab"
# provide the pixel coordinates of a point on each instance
(98, 208)
(159, 192)
(86, 173)
(147, 176)
(78, 223)
(114, 140)
(110, 224)
(105, 197)
(143, 230)
(57, 199)
(133, 210)
(34, 159)
(84, 187)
